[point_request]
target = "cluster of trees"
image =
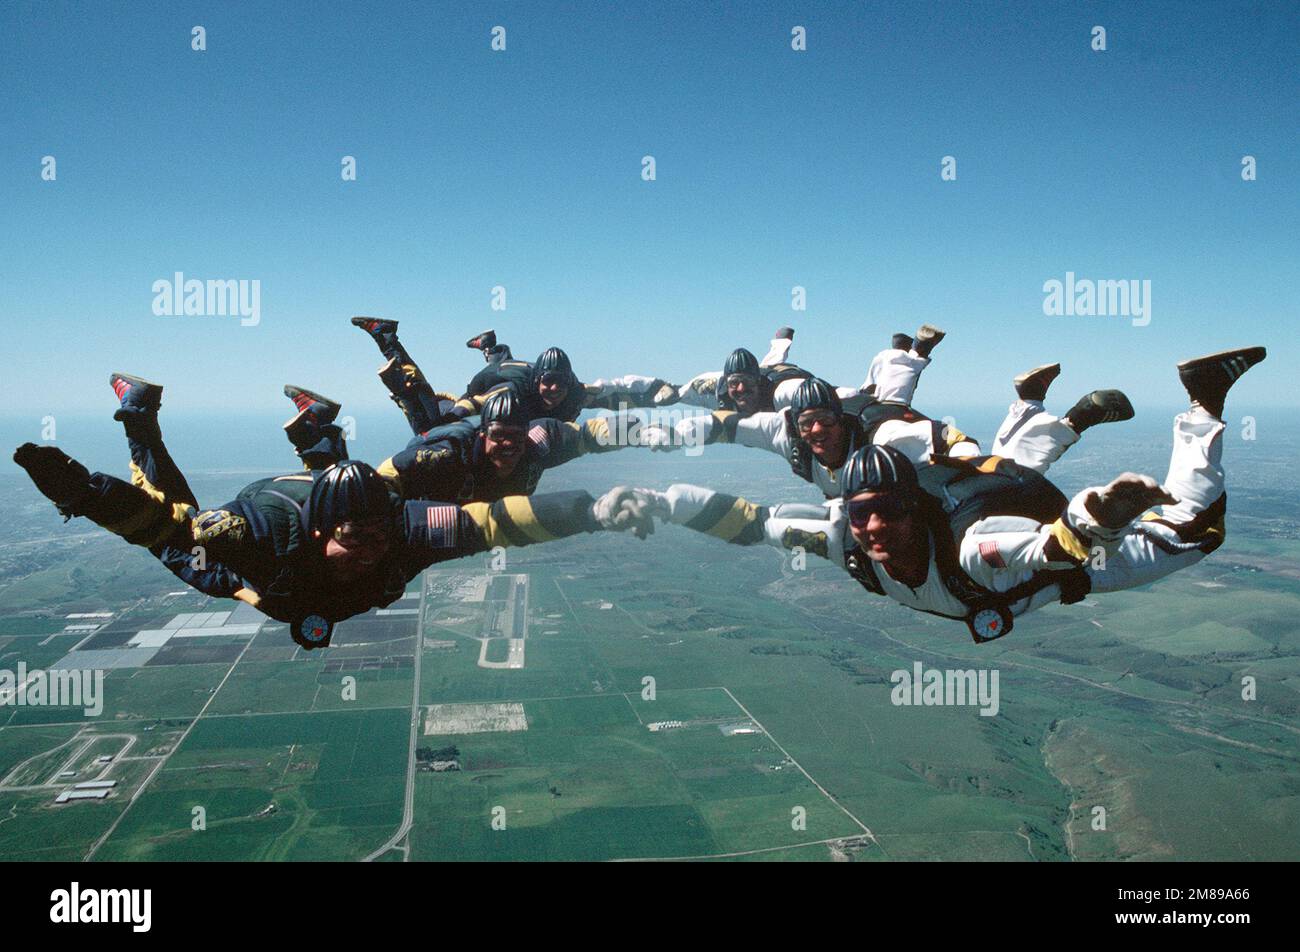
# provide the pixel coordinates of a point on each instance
(427, 754)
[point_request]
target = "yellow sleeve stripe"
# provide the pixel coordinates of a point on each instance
(1068, 541)
(387, 470)
(520, 512)
(481, 513)
(741, 514)
(509, 521)
(140, 481)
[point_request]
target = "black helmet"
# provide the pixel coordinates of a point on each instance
(815, 394)
(877, 469)
(349, 491)
(504, 406)
(741, 361)
(554, 361)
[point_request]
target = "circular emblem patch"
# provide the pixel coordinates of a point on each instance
(987, 623)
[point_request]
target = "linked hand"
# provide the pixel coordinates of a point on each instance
(657, 438)
(666, 394)
(624, 508)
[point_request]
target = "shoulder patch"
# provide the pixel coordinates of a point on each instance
(219, 523)
(424, 457)
(814, 542)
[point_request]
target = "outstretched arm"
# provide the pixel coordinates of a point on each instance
(818, 530)
(555, 442)
(630, 390)
(763, 431)
(437, 532)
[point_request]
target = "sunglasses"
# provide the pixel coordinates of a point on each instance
(811, 418)
(353, 535)
(506, 434)
(890, 508)
(736, 380)
(553, 379)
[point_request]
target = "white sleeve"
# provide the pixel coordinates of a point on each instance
(628, 383)
(695, 431)
(764, 431)
(701, 390)
(816, 530)
(1001, 552)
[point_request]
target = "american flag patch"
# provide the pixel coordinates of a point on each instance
(990, 554)
(537, 436)
(442, 525)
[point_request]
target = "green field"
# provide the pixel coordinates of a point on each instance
(770, 689)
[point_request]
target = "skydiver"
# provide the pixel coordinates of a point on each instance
(747, 385)
(816, 434)
(549, 387)
(985, 539)
(310, 549)
(503, 454)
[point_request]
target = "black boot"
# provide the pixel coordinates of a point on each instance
(483, 341)
(1100, 406)
(135, 395)
(382, 332)
(1208, 379)
(323, 409)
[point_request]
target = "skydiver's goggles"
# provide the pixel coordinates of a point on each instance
(890, 507)
(554, 378)
(506, 433)
(361, 535)
(810, 418)
(749, 381)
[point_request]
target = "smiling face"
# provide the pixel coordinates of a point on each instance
(884, 526)
(826, 435)
(353, 550)
(744, 393)
(552, 388)
(504, 447)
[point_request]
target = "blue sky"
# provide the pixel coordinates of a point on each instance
(775, 168)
